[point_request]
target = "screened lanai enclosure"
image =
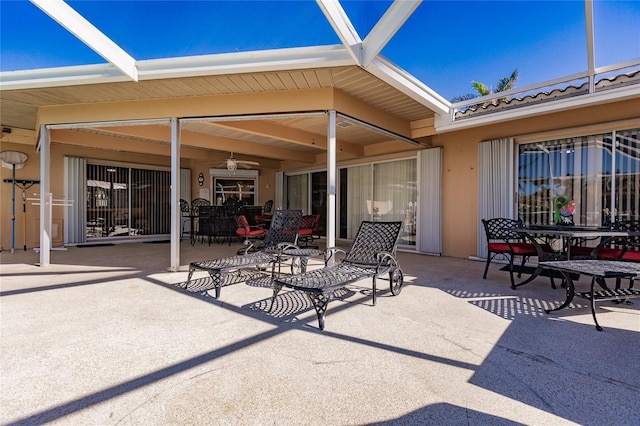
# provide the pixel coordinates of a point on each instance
(589, 180)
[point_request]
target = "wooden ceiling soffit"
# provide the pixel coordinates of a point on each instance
(89, 140)
(199, 140)
(242, 147)
(21, 136)
(362, 111)
(286, 134)
(422, 128)
(389, 147)
(192, 106)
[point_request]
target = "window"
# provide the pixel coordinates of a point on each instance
(241, 189)
(584, 180)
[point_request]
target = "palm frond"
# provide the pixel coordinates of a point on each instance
(481, 88)
(507, 83)
(463, 97)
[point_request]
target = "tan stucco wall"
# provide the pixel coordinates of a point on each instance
(460, 152)
(30, 171)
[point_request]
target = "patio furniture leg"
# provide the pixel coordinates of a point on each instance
(486, 267)
(570, 293)
(320, 302)
(217, 281)
(276, 290)
(374, 290)
(191, 270)
(593, 304)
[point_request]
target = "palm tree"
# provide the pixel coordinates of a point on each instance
(504, 84)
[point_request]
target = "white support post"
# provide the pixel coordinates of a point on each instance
(45, 199)
(175, 195)
(331, 179)
(591, 58)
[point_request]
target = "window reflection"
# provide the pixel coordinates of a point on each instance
(124, 202)
(572, 180)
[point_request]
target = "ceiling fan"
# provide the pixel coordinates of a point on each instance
(233, 164)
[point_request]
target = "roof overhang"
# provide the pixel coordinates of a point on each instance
(444, 123)
(184, 67)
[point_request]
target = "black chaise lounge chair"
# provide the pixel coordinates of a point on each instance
(371, 255)
(283, 233)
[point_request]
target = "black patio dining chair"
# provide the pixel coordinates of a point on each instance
(504, 239)
(185, 216)
(265, 215)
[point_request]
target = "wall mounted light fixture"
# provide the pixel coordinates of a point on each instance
(201, 179)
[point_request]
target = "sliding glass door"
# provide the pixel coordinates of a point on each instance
(586, 180)
(126, 202)
(379, 192)
(384, 191)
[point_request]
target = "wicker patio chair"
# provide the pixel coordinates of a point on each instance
(372, 255)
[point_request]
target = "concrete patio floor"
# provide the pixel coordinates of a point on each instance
(106, 336)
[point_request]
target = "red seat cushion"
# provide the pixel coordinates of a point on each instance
(632, 255)
(581, 250)
(517, 248)
(251, 233)
(609, 253)
(305, 232)
(524, 248)
(499, 247)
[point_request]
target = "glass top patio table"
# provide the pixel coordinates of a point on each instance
(567, 234)
(599, 270)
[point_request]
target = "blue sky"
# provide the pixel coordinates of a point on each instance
(445, 44)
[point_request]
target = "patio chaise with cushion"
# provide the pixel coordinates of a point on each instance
(371, 255)
(230, 270)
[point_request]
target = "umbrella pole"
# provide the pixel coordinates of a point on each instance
(11, 159)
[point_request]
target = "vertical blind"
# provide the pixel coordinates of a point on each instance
(429, 230)
(599, 176)
(75, 190)
(495, 184)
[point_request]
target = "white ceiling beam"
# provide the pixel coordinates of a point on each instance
(341, 24)
(409, 85)
(190, 66)
(245, 62)
(387, 26)
(89, 34)
(591, 58)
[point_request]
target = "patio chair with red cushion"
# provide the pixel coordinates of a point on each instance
(247, 232)
(620, 248)
(309, 227)
(265, 215)
(503, 239)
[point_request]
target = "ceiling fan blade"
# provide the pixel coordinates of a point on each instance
(243, 165)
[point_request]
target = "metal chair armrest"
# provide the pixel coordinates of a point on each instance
(330, 253)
